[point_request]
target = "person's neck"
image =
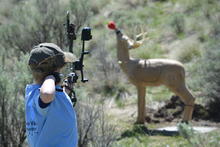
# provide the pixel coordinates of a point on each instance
(37, 82)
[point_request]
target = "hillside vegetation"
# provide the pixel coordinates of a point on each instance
(185, 30)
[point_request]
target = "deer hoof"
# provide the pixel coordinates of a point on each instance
(139, 122)
(185, 122)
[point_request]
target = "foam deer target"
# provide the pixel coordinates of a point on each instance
(152, 72)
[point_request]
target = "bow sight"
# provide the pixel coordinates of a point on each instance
(77, 65)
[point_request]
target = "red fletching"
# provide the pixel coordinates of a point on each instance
(111, 25)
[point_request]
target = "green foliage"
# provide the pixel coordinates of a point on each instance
(149, 50)
(158, 93)
(188, 52)
(205, 77)
(81, 11)
(12, 84)
(93, 127)
(135, 137)
(138, 141)
(38, 21)
(121, 96)
(178, 23)
(199, 140)
(211, 77)
(33, 21)
(186, 131)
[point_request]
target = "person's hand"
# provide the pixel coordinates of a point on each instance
(68, 87)
(58, 77)
(47, 89)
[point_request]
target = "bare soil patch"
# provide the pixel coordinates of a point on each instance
(164, 114)
(173, 108)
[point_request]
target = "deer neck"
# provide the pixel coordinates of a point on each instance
(122, 54)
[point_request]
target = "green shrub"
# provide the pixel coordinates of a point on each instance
(178, 23)
(196, 139)
(12, 118)
(205, 75)
(38, 21)
(149, 50)
(210, 67)
(188, 52)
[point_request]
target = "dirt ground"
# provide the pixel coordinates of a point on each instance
(172, 111)
(167, 113)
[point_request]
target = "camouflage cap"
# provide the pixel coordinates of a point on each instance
(47, 57)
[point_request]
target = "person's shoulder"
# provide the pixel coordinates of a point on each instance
(32, 86)
(30, 90)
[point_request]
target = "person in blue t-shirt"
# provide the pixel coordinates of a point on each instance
(50, 116)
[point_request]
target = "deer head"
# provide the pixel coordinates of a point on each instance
(128, 43)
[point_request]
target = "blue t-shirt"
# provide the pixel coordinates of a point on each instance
(53, 126)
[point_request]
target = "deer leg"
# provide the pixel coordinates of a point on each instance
(188, 100)
(141, 104)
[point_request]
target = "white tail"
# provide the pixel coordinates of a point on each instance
(152, 72)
